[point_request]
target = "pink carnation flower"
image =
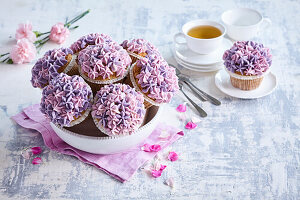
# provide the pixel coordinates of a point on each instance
(59, 33)
(23, 52)
(25, 31)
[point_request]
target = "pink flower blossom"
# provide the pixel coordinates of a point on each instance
(181, 133)
(151, 148)
(157, 173)
(36, 150)
(173, 156)
(170, 182)
(25, 31)
(181, 107)
(23, 52)
(190, 125)
(59, 33)
(37, 161)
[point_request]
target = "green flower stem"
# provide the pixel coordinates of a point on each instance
(3, 55)
(69, 23)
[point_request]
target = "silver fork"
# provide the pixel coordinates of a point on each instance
(198, 108)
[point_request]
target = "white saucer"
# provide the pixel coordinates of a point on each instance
(184, 53)
(199, 68)
(267, 86)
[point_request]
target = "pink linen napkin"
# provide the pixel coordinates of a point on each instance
(121, 166)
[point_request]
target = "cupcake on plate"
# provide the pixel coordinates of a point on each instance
(155, 79)
(90, 39)
(247, 62)
(66, 101)
(51, 64)
(138, 48)
(103, 64)
(118, 109)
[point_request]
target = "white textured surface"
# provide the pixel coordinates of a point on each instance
(244, 149)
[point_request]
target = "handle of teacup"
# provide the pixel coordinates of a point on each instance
(266, 23)
(177, 36)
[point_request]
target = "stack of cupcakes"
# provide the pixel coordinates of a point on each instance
(95, 64)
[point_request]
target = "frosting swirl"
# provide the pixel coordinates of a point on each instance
(247, 58)
(65, 99)
(104, 61)
(139, 46)
(118, 109)
(156, 78)
(90, 39)
(47, 67)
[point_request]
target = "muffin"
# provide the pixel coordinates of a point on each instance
(247, 62)
(103, 64)
(155, 79)
(90, 39)
(66, 101)
(118, 109)
(138, 48)
(50, 65)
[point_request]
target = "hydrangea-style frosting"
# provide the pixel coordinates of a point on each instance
(104, 61)
(247, 58)
(139, 46)
(65, 99)
(91, 39)
(156, 78)
(47, 67)
(118, 109)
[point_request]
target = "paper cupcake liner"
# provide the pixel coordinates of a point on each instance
(134, 57)
(246, 82)
(148, 100)
(103, 130)
(72, 64)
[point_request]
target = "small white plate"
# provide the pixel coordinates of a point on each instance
(184, 53)
(222, 80)
(199, 68)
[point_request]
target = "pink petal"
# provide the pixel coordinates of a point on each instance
(155, 147)
(37, 161)
(181, 133)
(181, 107)
(190, 125)
(36, 150)
(146, 148)
(173, 156)
(170, 182)
(162, 167)
(156, 173)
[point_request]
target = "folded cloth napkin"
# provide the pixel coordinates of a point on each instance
(121, 166)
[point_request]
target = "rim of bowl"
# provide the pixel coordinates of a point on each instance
(109, 137)
(209, 21)
(227, 11)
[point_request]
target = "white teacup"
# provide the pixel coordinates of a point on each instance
(201, 46)
(243, 23)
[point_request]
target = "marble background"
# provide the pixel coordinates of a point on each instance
(244, 149)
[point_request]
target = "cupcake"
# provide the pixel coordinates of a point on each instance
(155, 79)
(103, 64)
(247, 62)
(138, 47)
(50, 65)
(90, 39)
(66, 101)
(118, 109)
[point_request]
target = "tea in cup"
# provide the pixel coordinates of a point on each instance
(201, 36)
(243, 23)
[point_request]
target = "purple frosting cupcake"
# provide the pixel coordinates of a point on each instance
(66, 101)
(90, 39)
(50, 65)
(118, 109)
(247, 62)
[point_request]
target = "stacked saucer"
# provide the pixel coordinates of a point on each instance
(201, 62)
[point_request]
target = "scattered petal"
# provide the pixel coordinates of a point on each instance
(182, 117)
(181, 133)
(37, 161)
(196, 119)
(155, 147)
(190, 125)
(173, 156)
(162, 167)
(170, 182)
(36, 150)
(26, 154)
(146, 148)
(156, 165)
(157, 173)
(164, 135)
(181, 107)
(158, 156)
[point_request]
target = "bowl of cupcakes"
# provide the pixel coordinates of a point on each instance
(103, 97)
